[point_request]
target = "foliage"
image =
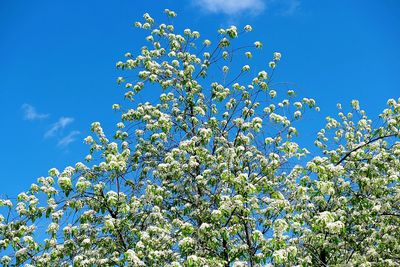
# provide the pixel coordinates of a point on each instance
(210, 175)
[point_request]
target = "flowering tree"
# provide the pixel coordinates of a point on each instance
(210, 175)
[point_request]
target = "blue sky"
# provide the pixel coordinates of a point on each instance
(57, 64)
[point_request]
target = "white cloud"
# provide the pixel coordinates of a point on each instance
(68, 139)
(59, 125)
(231, 7)
(290, 7)
(31, 114)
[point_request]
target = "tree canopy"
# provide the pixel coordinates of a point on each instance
(210, 174)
